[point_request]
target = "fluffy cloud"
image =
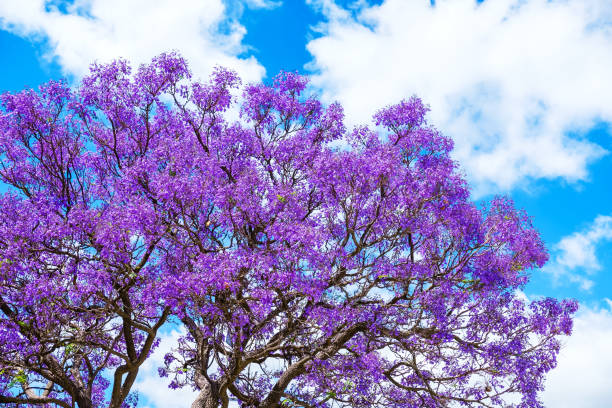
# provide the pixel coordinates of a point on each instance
(578, 249)
(584, 371)
(77, 33)
(516, 83)
(574, 256)
(153, 389)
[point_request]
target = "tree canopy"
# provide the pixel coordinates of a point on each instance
(308, 265)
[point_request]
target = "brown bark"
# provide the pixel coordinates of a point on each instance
(209, 393)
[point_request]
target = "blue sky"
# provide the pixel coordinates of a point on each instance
(523, 86)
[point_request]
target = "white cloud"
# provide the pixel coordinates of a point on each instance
(329, 9)
(103, 30)
(265, 4)
(578, 249)
(509, 80)
(155, 388)
(574, 256)
(584, 371)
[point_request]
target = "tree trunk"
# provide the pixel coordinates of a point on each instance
(84, 402)
(209, 394)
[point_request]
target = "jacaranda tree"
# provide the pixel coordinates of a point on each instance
(310, 266)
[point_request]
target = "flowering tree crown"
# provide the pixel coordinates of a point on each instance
(310, 266)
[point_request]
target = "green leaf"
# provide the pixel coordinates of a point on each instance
(20, 378)
(348, 386)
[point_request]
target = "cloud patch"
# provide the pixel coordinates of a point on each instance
(152, 389)
(516, 83)
(584, 371)
(74, 34)
(265, 4)
(574, 256)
